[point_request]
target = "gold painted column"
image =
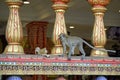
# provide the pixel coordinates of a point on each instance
(99, 35)
(59, 27)
(14, 32)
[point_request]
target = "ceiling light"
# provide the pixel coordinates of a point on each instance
(26, 2)
(105, 29)
(119, 11)
(71, 27)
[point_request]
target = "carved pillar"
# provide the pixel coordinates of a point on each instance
(59, 27)
(14, 32)
(99, 35)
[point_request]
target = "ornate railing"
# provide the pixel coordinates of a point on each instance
(37, 64)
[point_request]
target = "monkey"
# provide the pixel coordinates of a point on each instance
(40, 51)
(72, 42)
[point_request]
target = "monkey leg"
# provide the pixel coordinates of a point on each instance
(69, 55)
(71, 51)
(82, 51)
(64, 48)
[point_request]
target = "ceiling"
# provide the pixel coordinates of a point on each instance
(78, 14)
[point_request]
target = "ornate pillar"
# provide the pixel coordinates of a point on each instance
(59, 27)
(14, 32)
(99, 35)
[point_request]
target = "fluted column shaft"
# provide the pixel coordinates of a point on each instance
(59, 27)
(14, 32)
(99, 34)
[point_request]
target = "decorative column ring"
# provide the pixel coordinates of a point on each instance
(14, 32)
(59, 27)
(99, 35)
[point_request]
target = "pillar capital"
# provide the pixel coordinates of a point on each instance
(60, 1)
(60, 4)
(99, 9)
(96, 3)
(99, 5)
(14, 2)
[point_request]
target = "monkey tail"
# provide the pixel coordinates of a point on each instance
(89, 45)
(113, 51)
(97, 48)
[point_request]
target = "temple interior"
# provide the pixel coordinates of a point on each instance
(30, 47)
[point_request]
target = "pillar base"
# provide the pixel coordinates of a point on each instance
(99, 53)
(13, 49)
(57, 50)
